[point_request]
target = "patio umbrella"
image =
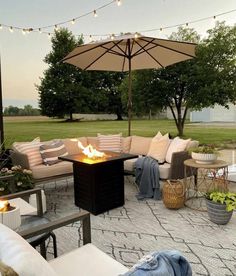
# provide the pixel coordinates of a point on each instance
(130, 52)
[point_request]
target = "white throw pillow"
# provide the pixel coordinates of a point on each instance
(21, 256)
(140, 145)
(158, 135)
(176, 145)
(111, 142)
(159, 147)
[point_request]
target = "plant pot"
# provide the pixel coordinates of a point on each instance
(217, 212)
(204, 158)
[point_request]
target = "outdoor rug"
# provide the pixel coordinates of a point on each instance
(129, 232)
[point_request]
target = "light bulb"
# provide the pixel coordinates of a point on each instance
(95, 13)
(161, 29)
(118, 3)
(73, 21)
(186, 24)
(40, 31)
(136, 35)
(112, 37)
(49, 35)
(23, 31)
(90, 38)
(11, 29)
(0, 26)
(55, 28)
(214, 17)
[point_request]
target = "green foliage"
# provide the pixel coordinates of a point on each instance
(210, 149)
(229, 199)
(23, 180)
(27, 110)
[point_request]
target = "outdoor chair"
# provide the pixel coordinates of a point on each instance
(16, 253)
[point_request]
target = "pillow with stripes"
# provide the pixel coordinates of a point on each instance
(51, 152)
(111, 142)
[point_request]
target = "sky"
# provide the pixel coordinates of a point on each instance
(22, 56)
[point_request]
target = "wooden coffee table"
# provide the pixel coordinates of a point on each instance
(99, 183)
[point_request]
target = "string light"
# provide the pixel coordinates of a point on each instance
(49, 35)
(161, 29)
(11, 29)
(118, 3)
(136, 35)
(0, 26)
(56, 28)
(73, 21)
(112, 37)
(186, 24)
(95, 13)
(90, 38)
(40, 31)
(214, 17)
(23, 31)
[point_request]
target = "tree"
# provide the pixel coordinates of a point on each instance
(201, 82)
(61, 90)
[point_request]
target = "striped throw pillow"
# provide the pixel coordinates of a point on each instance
(31, 149)
(51, 152)
(110, 142)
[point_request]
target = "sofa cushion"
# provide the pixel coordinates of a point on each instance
(51, 152)
(72, 145)
(140, 145)
(85, 261)
(129, 164)
(31, 149)
(125, 144)
(111, 142)
(21, 256)
(158, 148)
(176, 145)
(43, 171)
(93, 141)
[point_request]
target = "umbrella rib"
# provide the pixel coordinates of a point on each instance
(88, 50)
(171, 49)
(142, 47)
(138, 52)
(101, 55)
(115, 52)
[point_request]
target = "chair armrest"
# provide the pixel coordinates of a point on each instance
(177, 164)
(19, 159)
(83, 216)
(36, 191)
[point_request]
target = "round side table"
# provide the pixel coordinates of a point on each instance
(207, 178)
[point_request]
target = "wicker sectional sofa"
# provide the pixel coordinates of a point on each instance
(133, 144)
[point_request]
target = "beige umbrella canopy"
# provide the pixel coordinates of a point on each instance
(130, 52)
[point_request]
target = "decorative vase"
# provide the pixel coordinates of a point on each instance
(217, 212)
(204, 158)
(11, 218)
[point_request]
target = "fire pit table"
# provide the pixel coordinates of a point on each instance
(99, 182)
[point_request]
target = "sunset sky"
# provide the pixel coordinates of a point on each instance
(22, 55)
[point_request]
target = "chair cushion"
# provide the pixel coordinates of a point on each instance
(43, 171)
(22, 257)
(140, 145)
(176, 145)
(51, 152)
(87, 260)
(111, 142)
(72, 145)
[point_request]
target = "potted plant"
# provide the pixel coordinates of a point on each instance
(220, 206)
(206, 154)
(22, 180)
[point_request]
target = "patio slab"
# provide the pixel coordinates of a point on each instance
(129, 232)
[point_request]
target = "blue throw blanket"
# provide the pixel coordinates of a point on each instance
(164, 263)
(147, 178)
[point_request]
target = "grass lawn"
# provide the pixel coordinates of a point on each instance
(26, 129)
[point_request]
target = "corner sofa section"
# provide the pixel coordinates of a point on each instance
(133, 144)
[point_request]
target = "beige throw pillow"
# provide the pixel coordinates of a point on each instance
(111, 142)
(158, 148)
(140, 145)
(176, 145)
(126, 142)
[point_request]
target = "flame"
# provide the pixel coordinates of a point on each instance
(90, 151)
(4, 205)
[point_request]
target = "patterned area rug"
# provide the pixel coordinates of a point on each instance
(139, 227)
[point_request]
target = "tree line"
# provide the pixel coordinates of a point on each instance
(201, 82)
(27, 110)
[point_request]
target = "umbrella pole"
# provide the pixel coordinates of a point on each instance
(129, 100)
(1, 114)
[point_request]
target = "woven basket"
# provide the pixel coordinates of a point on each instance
(173, 194)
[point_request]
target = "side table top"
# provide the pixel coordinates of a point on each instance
(217, 164)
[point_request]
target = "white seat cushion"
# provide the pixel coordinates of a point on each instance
(42, 171)
(129, 164)
(21, 256)
(164, 170)
(87, 260)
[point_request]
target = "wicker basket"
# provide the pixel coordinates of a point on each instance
(173, 194)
